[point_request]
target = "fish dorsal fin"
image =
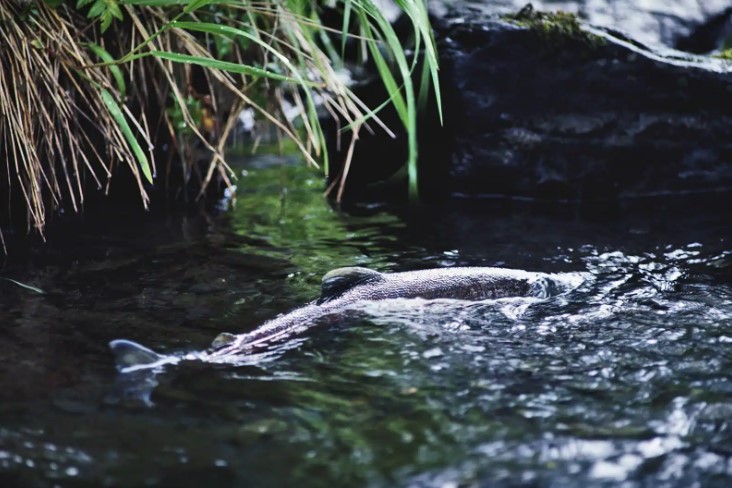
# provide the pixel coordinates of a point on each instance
(340, 280)
(223, 339)
(129, 354)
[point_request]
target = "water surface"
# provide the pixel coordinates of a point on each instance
(626, 379)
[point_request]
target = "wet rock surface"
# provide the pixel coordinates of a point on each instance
(550, 114)
(653, 22)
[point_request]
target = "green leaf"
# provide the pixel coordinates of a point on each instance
(219, 30)
(190, 5)
(106, 20)
(113, 68)
(195, 5)
(405, 106)
(422, 22)
(97, 9)
(346, 26)
(115, 10)
(119, 117)
(223, 65)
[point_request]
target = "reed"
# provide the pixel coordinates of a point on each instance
(80, 82)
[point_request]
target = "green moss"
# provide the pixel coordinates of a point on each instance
(558, 28)
(726, 54)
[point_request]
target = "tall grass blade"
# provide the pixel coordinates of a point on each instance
(119, 117)
(224, 66)
(113, 68)
(405, 105)
(417, 11)
(345, 28)
(52, 110)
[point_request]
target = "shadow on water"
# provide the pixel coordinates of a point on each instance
(627, 378)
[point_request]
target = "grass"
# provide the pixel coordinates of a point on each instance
(82, 86)
(51, 109)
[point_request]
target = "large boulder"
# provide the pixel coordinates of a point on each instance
(544, 107)
(651, 22)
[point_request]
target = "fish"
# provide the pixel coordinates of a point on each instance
(343, 288)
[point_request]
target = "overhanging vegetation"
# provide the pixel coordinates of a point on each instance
(92, 87)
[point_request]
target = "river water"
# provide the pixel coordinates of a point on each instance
(626, 380)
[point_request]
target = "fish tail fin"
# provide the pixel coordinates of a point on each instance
(128, 354)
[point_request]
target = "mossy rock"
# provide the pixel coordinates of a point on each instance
(607, 128)
(557, 28)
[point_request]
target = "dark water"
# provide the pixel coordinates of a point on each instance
(627, 381)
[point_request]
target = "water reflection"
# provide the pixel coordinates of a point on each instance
(626, 379)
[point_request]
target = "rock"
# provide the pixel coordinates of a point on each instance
(544, 107)
(651, 22)
(715, 33)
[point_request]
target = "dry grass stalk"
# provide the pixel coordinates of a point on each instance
(58, 129)
(50, 114)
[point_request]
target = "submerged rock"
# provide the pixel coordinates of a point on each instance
(545, 107)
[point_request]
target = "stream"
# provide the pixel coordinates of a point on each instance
(624, 381)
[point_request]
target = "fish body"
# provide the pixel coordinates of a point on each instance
(344, 287)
